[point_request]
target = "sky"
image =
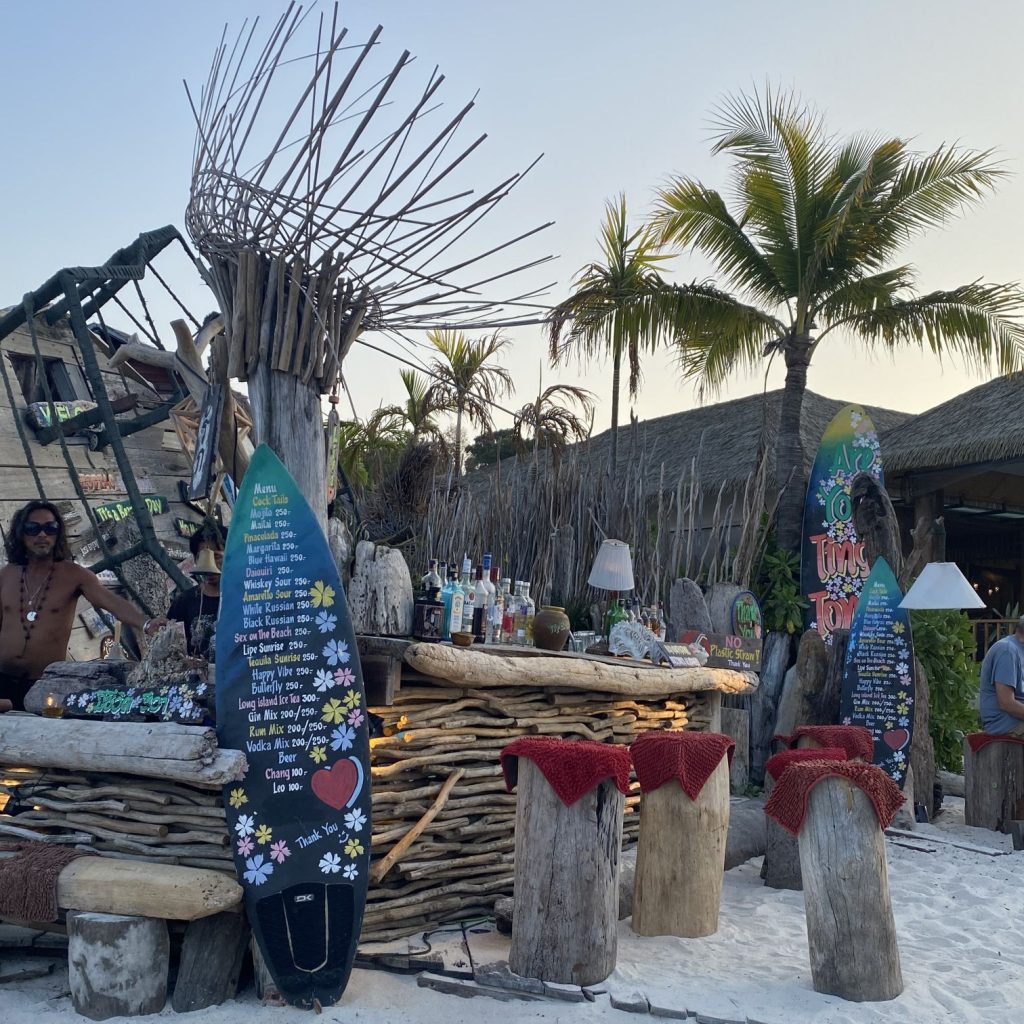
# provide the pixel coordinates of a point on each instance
(616, 97)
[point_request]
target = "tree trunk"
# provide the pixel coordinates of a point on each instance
(457, 456)
(566, 882)
(789, 451)
(765, 699)
(993, 785)
(616, 374)
(288, 416)
(851, 935)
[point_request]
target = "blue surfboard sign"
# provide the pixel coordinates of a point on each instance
(290, 695)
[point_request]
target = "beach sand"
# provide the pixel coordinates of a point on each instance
(959, 918)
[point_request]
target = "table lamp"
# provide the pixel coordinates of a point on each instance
(941, 585)
(612, 571)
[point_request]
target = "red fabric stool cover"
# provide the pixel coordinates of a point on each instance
(688, 758)
(572, 767)
(854, 739)
(788, 803)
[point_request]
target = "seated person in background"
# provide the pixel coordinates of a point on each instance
(199, 606)
(1001, 698)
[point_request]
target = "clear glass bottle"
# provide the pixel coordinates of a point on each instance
(530, 612)
(492, 594)
(497, 609)
(431, 581)
(453, 599)
(508, 612)
(479, 607)
(519, 617)
(467, 596)
(662, 622)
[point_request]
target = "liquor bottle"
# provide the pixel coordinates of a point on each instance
(431, 581)
(496, 610)
(467, 597)
(662, 623)
(453, 599)
(428, 608)
(531, 610)
(616, 613)
(508, 613)
(492, 595)
(519, 615)
(479, 608)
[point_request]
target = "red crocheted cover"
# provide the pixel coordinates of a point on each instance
(779, 762)
(977, 740)
(788, 802)
(572, 767)
(854, 739)
(688, 758)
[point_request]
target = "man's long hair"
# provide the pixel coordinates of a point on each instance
(17, 554)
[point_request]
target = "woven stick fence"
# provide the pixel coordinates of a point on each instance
(544, 520)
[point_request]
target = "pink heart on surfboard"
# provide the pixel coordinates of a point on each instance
(896, 739)
(339, 785)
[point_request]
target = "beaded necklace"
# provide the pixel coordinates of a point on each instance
(28, 619)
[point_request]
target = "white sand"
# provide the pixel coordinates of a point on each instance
(959, 916)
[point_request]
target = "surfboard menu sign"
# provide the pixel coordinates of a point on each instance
(290, 694)
(878, 674)
(833, 565)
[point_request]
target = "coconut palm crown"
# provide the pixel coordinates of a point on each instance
(615, 307)
(465, 381)
(810, 248)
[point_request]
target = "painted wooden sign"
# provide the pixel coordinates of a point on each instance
(117, 510)
(878, 674)
(678, 655)
(726, 651)
(290, 694)
(183, 702)
(746, 616)
(833, 566)
(185, 527)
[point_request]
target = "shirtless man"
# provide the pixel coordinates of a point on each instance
(39, 591)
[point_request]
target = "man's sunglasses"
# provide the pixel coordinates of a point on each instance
(51, 529)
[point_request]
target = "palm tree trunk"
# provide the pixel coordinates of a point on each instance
(616, 372)
(458, 443)
(789, 452)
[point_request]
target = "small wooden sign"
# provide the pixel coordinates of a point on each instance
(746, 616)
(727, 651)
(185, 527)
(118, 510)
(206, 442)
(677, 655)
(182, 702)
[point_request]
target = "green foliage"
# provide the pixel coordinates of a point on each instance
(778, 589)
(485, 448)
(944, 644)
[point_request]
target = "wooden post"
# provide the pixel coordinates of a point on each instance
(117, 965)
(993, 785)
(287, 415)
(566, 881)
(851, 935)
(680, 860)
(211, 960)
(781, 852)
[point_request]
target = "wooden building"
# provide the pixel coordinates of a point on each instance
(45, 375)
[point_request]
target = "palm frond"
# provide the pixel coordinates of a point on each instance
(862, 295)
(980, 323)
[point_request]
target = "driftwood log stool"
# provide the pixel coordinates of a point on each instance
(855, 740)
(684, 823)
(571, 796)
(840, 809)
(993, 780)
(782, 851)
(117, 964)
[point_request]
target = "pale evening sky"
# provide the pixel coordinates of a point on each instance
(617, 96)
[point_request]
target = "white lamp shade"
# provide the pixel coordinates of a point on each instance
(613, 568)
(942, 585)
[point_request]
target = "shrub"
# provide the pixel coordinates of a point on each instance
(944, 644)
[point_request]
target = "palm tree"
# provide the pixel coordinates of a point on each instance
(551, 418)
(810, 249)
(464, 382)
(417, 413)
(615, 308)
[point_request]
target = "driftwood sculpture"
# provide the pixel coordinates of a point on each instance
(330, 226)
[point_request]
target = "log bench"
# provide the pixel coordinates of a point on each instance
(993, 781)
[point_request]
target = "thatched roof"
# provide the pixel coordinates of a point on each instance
(983, 424)
(725, 438)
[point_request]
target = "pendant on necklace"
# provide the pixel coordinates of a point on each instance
(31, 616)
